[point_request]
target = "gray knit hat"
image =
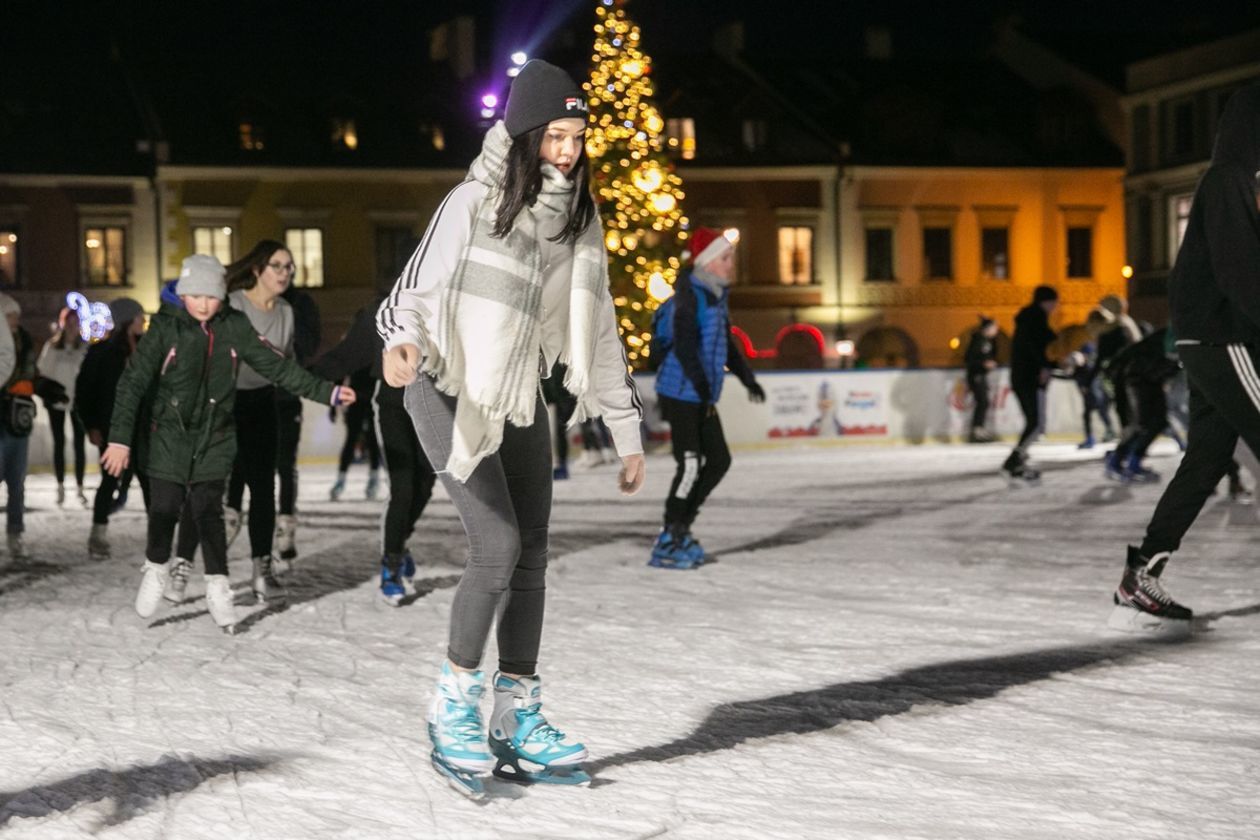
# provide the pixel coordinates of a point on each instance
(540, 93)
(202, 274)
(123, 311)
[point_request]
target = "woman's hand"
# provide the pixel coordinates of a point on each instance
(115, 459)
(399, 365)
(633, 472)
(344, 395)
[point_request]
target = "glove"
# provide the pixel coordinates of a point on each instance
(756, 393)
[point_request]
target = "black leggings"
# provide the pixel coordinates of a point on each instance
(57, 419)
(109, 486)
(256, 445)
(978, 383)
(288, 436)
(359, 425)
(702, 455)
(411, 476)
(1029, 397)
(202, 502)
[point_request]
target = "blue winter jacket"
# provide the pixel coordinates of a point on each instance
(700, 347)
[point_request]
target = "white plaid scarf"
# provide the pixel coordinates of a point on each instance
(486, 351)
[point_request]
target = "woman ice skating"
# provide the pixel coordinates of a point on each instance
(981, 360)
(58, 366)
(693, 329)
(193, 356)
(510, 277)
(17, 418)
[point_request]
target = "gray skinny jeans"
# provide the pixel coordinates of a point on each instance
(505, 507)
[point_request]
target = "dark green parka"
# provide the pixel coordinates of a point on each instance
(192, 436)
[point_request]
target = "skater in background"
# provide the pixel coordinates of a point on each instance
(360, 430)
(563, 405)
(255, 284)
(17, 419)
(1030, 374)
(1214, 303)
(694, 333)
(411, 477)
(1142, 371)
(510, 277)
(58, 367)
(981, 360)
(191, 356)
(94, 389)
(306, 338)
(1110, 343)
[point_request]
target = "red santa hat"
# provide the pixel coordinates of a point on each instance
(707, 244)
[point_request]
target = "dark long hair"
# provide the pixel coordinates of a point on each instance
(243, 274)
(522, 181)
(63, 338)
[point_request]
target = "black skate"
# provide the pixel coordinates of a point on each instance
(1017, 472)
(1142, 604)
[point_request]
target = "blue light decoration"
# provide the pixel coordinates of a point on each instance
(95, 322)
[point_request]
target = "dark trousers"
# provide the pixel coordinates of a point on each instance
(204, 500)
(1148, 406)
(978, 384)
(702, 456)
(13, 464)
(565, 406)
(110, 486)
(1224, 405)
(360, 426)
(411, 477)
(256, 444)
(57, 420)
(505, 508)
(1030, 396)
(288, 436)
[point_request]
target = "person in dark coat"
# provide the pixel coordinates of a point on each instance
(1141, 371)
(1214, 305)
(1030, 373)
(981, 359)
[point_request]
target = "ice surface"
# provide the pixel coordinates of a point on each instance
(892, 644)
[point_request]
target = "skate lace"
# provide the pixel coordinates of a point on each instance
(1151, 586)
(531, 720)
(180, 573)
(462, 721)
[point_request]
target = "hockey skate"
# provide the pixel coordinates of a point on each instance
(1017, 472)
(286, 534)
(528, 749)
(1141, 603)
(393, 589)
(1113, 469)
(409, 571)
(152, 584)
(221, 603)
(267, 587)
(177, 581)
(455, 729)
(98, 543)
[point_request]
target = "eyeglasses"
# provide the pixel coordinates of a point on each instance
(286, 268)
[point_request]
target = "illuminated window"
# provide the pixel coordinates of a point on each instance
(105, 255)
(796, 255)
(252, 136)
(307, 247)
(938, 253)
(216, 240)
(8, 257)
(345, 134)
(879, 253)
(995, 253)
(681, 134)
(1080, 252)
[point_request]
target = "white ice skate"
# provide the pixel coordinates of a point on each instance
(177, 582)
(528, 748)
(221, 603)
(267, 587)
(152, 584)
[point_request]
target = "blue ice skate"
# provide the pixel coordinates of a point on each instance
(409, 571)
(392, 588)
(459, 743)
(670, 552)
(1113, 469)
(528, 749)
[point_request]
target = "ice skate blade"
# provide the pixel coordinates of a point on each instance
(462, 781)
(393, 600)
(270, 600)
(229, 629)
(1126, 619)
(511, 771)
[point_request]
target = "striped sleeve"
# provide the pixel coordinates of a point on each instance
(408, 311)
(618, 397)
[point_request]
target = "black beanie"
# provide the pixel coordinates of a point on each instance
(541, 93)
(1044, 293)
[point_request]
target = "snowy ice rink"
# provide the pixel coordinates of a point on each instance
(892, 644)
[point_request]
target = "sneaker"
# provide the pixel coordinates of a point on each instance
(266, 586)
(17, 548)
(373, 485)
(61, 495)
(339, 487)
(455, 726)
(221, 603)
(669, 553)
(286, 536)
(98, 542)
(392, 588)
(231, 523)
(1141, 601)
(177, 582)
(520, 733)
(153, 579)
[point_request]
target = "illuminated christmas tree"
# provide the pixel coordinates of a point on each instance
(639, 194)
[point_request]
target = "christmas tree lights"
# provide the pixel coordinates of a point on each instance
(638, 192)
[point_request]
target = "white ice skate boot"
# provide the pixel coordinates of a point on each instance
(152, 585)
(177, 581)
(267, 587)
(98, 542)
(221, 603)
(231, 523)
(455, 728)
(17, 548)
(528, 748)
(286, 536)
